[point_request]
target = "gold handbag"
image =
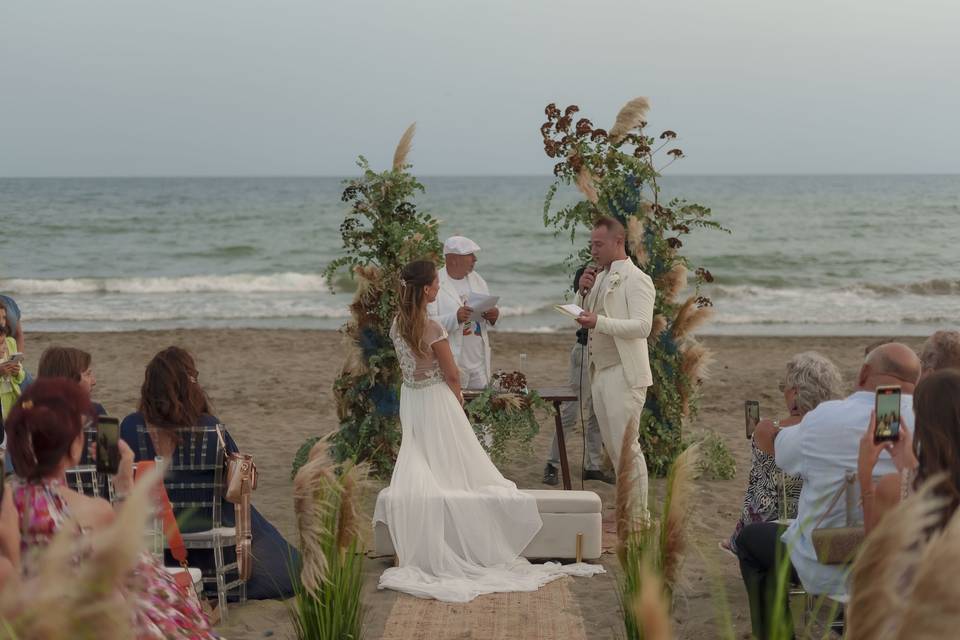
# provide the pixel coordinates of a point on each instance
(838, 545)
(240, 473)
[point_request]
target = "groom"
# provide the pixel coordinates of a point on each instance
(618, 303)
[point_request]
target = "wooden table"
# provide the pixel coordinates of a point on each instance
(556, 395)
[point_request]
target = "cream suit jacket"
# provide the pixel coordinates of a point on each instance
(626, 313)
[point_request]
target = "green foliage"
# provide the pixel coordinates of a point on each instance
(621, 173)
(302, 454)
(382, 231)
(716, 461)
(335, 611)
(510, 422)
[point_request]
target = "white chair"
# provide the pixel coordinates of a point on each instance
(194, 482)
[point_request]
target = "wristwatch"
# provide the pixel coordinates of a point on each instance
(776, 424)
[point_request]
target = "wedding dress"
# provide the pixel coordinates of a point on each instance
(458, 526)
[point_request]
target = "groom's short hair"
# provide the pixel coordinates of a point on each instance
(612, 225)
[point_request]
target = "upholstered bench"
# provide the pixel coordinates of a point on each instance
(565, 514)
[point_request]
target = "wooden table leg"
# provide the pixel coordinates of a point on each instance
(562, 446)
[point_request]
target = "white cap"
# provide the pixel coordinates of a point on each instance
(461, 246)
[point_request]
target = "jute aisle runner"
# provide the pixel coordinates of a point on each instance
(547, 614)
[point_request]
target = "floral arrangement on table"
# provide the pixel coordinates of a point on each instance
(616, 173)
(382, 231)
(504, 416)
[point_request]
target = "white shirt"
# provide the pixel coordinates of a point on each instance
(472, 356)
(821, 449)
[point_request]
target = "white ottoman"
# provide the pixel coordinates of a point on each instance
(564, 513)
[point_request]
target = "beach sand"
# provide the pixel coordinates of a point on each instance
(273, 390)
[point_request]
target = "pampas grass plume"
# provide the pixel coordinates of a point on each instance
(635, 232)
(689, 317)
(890, 560)
(696, 361)
(673, 282)
(631, 115)
(651, 609)
(403, 148)
(310, 499)
(677, 505)
(585, 183)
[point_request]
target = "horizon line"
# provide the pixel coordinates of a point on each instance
(456, 175)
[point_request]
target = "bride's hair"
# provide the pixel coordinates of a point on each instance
(412, 312)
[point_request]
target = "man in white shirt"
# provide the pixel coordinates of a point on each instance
(469, 339)
(619, 303)
(822, 448)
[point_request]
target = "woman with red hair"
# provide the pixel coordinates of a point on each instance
(45, 438)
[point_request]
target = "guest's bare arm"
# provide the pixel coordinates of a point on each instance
(766, 433)
(448, 366)
(885, 496)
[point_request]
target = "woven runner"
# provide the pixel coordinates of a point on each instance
(547, 614)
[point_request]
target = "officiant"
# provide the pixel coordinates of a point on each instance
(469, 332)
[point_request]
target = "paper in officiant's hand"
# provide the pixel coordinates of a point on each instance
(481, 303)
(571, 310)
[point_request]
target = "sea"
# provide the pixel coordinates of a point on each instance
(805, 255)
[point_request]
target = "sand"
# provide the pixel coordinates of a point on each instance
(273, 389)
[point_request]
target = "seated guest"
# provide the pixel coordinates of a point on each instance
(171, 397)
(821, 449)
(45, 433)
(810, 379)
(934, 449)
(11, 373)
(940, 351)
(12, 312)
(9, 535)
(72, 364)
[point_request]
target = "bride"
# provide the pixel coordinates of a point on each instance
(458, 526)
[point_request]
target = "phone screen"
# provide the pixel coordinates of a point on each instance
(108, 445)
(888, 414)
(751, 409)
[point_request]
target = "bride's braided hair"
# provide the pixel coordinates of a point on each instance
(412, 307)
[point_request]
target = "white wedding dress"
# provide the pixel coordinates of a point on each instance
(458, 526)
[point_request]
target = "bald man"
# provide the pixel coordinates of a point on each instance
(822, 449)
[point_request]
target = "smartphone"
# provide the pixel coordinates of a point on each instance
(888, 414)
(108, 445)
(16, 357)
(751, 410)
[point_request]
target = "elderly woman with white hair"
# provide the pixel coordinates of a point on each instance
(810, 379)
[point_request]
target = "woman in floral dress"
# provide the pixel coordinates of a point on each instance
(45, 437)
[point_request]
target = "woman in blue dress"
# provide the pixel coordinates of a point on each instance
(170, 398)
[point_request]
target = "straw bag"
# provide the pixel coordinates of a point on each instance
(241, 479)
(838, 545)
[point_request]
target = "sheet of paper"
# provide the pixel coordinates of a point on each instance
(480, 304)
(571, 310)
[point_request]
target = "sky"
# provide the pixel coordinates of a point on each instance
(302, 87)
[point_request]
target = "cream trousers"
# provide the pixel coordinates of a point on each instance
(618, 408)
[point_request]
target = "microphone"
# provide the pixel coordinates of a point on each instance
(592, 270)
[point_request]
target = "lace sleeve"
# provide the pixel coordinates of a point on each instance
(434, 332)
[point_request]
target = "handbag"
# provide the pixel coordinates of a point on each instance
(838, 545)
(240, 473)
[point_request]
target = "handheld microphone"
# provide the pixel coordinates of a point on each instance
(592, 269)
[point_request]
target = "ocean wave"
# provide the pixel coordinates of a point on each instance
(238, 283)
(867, 290)
(134, 313)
